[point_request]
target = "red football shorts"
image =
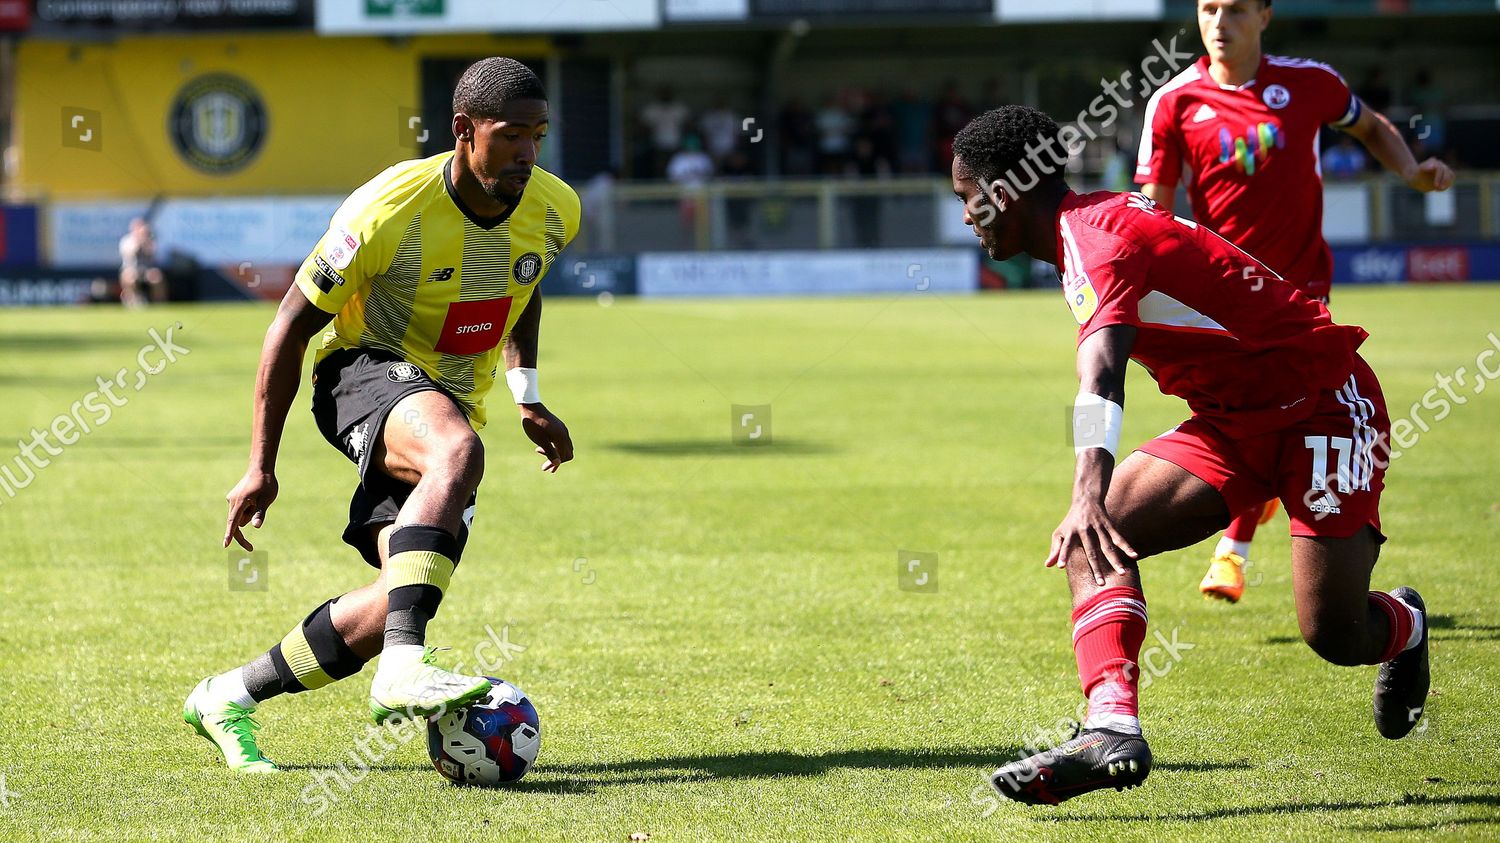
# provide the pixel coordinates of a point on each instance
(1328, 469)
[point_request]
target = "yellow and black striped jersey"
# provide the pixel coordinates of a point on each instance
(407, 269)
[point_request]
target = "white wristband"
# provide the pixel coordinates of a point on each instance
(522, 384)
(1096, 423)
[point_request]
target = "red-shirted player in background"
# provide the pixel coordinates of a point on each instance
(1282, 406)
(1246, 126)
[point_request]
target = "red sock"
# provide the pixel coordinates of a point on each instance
(1242, 528)
(1108, 630)
(1401, 623)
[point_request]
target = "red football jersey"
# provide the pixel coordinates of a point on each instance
(1252, 153)
(1215, 326)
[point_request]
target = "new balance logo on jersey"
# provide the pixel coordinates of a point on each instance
(1205, 113)
(442, 273)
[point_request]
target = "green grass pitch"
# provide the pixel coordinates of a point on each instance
(716, 636)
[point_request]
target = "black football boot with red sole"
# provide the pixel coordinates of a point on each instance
(1093, 760)
(1401, 686)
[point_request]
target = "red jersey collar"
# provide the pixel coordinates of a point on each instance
(1208, 77)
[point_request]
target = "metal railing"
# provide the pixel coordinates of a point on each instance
(922, 212)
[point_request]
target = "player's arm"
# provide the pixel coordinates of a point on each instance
(1158, 162)
(1163, 194)
(297, 322)
(543, 428)
(1378, 135)
(1098, 413)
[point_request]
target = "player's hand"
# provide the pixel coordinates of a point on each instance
(1430, 175)
(549, 434)
(248, 502)
(1088, 526)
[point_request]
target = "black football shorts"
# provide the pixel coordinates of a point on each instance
(354, 391)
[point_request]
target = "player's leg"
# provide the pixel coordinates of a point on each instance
(1225, 579)
(436, 451)
(1158, 506)
(1347, 624)
(1331, 476)
(156, 284)
(334, 642)
(130, 294)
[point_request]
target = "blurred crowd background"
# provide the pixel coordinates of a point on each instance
(195, 149)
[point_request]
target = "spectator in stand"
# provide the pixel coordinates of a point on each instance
(835, 126)
(720, 127)
(1429, 129)
(664, 119)
(1119, 170)
(1345, 159)
(913, 118)
(993, 95)
(1375, 91)
(139, 268)
(799, 140)
(598, 201)
(866, 163)
(737, 209)
(690, 168)
(951, 114)
(877, 123)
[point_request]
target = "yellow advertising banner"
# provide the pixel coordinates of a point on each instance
(250, 114)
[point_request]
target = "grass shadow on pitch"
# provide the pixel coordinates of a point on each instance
(584, 779)
(80, 341)
(346, 767)
(1425, 825)
(745, 765)
(1443, 627)
(1408, 800)
(719, 448)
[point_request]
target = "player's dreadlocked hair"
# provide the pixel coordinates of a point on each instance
(998, 143)
(490, 83)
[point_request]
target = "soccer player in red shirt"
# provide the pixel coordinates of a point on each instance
(1246, 125)
(1282, 406)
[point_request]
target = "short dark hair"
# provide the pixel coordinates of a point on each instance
(490, 83)
(998, 141)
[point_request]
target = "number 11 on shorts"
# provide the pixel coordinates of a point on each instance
(1343, 446)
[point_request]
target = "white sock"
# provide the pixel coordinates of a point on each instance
(398, 657)
(1228, 545)
(230, 687)
(1416, 626)
(1122, 723)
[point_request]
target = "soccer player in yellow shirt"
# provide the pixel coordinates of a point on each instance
(429, 274)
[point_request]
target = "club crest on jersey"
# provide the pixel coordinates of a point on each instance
(1277, 96)
(402, 372)
(528, 268)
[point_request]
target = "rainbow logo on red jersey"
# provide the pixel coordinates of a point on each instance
(1254, 147)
